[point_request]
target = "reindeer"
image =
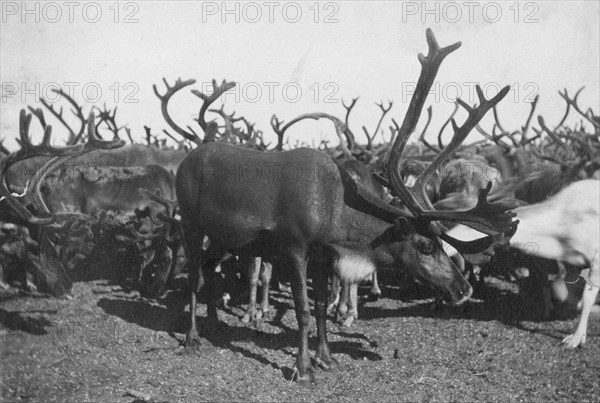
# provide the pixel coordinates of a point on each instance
(565, 228)
(320, 221)
(50, 270)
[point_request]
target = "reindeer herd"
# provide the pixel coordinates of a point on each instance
(437, 213)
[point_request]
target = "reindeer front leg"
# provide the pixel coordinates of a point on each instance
(334, 295)
(265, 279)
(375, 292)
(253, 273)
(590, 293)
(352, 304)
(196, 282)
(323, 357)
(303, 371)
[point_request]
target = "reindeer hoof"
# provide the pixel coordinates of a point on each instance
(307, 379)
(574, 340)
(329, 364)
(192, 343)
(265, 314)
(348, 321)
(252, 315)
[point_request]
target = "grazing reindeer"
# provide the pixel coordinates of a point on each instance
(50, 271)
(308, 215)
(565, 227)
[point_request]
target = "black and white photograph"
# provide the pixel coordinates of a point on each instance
(298, 201)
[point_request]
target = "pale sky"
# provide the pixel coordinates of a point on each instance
(366, 48)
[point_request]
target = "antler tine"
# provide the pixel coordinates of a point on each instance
(429, 68)
(229, 119)
(109, 119)
(539, 154)
(128, 132)
(493, 137)
(488, 218)
(94, 143)
(250, 132)
(384, 112)
(24, 123)
(497, 120)
(460, 134)
(39, 114)
(555, 138)
(422, 136)
(276, 125)
(349, 135)
(77, 111)
(439, 138)
(218, 90)
(3, 149)
(349, 108)
(164, 101)
(525, 128)
(594, 120)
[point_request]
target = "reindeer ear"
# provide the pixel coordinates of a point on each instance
(403, 226)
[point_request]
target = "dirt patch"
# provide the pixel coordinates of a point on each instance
(107, 345)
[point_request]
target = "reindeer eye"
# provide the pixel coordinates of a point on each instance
(426, 247)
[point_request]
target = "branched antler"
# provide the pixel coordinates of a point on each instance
(525, 128)
(164, 101)
(107, 117)
(210, 130)
(74, 137)
(384, 111)
(487, 218)
(588, 115)
(58, 157)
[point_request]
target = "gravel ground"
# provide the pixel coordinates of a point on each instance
(107, 345)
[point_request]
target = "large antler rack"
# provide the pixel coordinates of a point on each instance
(164, 102)
(58, 157)
(210, 128)
(485, 217)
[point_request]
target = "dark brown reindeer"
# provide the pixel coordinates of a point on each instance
(304, 212)
(356, 160)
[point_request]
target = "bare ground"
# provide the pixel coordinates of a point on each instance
(107, 345)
